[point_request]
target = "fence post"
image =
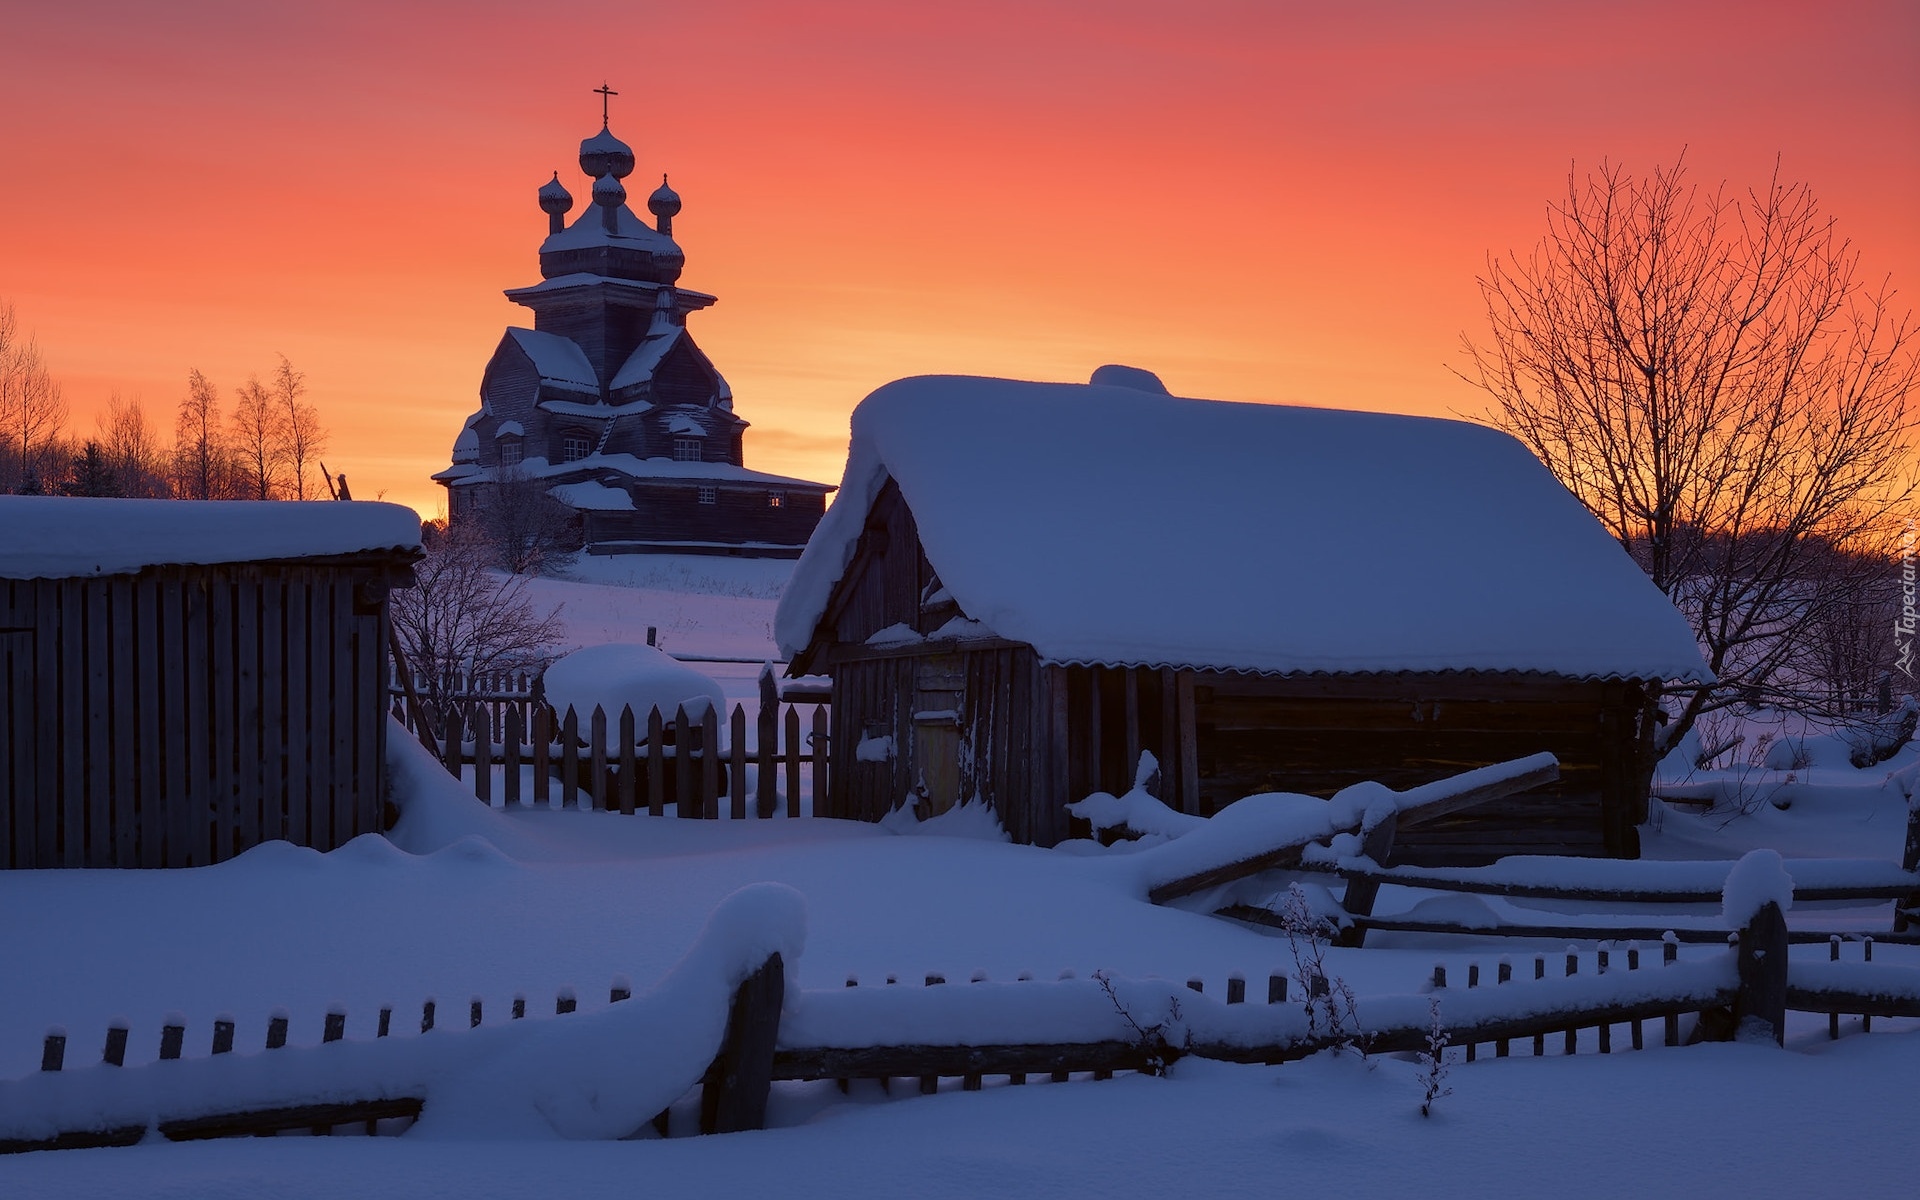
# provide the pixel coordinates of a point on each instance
(570, 759)
(734, 1096)
(710, 764)
(482, 755)
(793, 760)
(1762, 995)
(510, 759)
(542, 752)
(768, 732)
(626, 761)
(822, 747)
(1909, 861)
(453, 724)
(597, 752)
(737, 764)
(1377, 844)
(683, 793)
(656, 763)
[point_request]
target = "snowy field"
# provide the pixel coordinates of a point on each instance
(468, 903)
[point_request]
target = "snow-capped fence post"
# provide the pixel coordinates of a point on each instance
(1503, 973)
(223, 1034)
(767, 733)
(734, 1096)
(277, 1030)
(1866, 952)
(929, 1084)
(1236, 988)
(1833, 1018)
(452, 732)
(173, 1036)
(114, 1053)
(335, 1027)
(1762, 996)
(1910, 855)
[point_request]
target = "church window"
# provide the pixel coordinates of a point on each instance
(709, 495)
(686, 449)
(510, 451)
(574, 447)
(776, 499)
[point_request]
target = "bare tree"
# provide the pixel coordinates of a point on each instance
(259, 439)
(1710, 376)
(462, 616)
(33, 413)
(302, 438)
(199, 449)
(128, 440)
(523, 525)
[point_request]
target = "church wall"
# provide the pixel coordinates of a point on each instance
(606, 333)
(682, 379)
(737, 515)
(509, 388)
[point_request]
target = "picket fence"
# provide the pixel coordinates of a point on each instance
(625, 762)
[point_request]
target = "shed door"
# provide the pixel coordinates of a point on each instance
(939, 693)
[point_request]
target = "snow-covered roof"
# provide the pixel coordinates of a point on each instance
(589, 230)
(1120, 526)
(685, 423)
(592, 494)
(510, 429)
(58, 537)
(560, 362)
(646, 357)
(636, 468)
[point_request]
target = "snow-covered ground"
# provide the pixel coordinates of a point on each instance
(468, 903)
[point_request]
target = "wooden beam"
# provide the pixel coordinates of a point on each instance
(734, 1096)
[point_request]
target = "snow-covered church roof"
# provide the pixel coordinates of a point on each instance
(560, 361)
(1107, 523)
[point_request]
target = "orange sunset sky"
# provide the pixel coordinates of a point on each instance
(1260, 201)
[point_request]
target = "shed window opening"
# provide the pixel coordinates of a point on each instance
(709, 495)
(686, 449)
(573, 447)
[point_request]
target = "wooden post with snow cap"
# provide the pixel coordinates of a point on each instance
(1758, 892)
(734, 1095)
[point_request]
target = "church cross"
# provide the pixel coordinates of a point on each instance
(603, 91)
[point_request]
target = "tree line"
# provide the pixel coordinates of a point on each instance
(265, 444)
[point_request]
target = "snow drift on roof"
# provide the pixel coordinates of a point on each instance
(57, 537)
(592, 494)
(589, 229)
(1119, 526)
(559, 361)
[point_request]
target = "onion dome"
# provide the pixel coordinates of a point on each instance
(604, 154)
(555, 199)
(609, 192)
(665, 202)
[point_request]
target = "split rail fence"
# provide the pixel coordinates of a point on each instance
(626, 762)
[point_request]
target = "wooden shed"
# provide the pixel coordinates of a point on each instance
(188, 679)
(1022, 586)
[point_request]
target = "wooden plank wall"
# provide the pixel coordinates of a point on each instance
(178, 717)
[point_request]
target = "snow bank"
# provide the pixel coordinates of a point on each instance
(1758, 879)
(616, 675)
(58, 537)
(1137, 809)
(587, 1075)
(1322, 540)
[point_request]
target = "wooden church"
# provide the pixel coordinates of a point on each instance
(609, 402)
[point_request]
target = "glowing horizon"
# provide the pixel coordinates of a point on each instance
(1258, 202)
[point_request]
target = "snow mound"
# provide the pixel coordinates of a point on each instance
(616, 675)
(970, 819)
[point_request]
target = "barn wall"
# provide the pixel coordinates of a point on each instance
(178, 717)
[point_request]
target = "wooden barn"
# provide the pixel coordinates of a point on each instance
(188, 679)
(1022, 586)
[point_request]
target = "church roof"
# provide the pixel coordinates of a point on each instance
(560, 362)
(589, 230)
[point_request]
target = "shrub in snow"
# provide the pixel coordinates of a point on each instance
(1329, 1001)
(1433, 1060)
(615, 676)
(1757, 879)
